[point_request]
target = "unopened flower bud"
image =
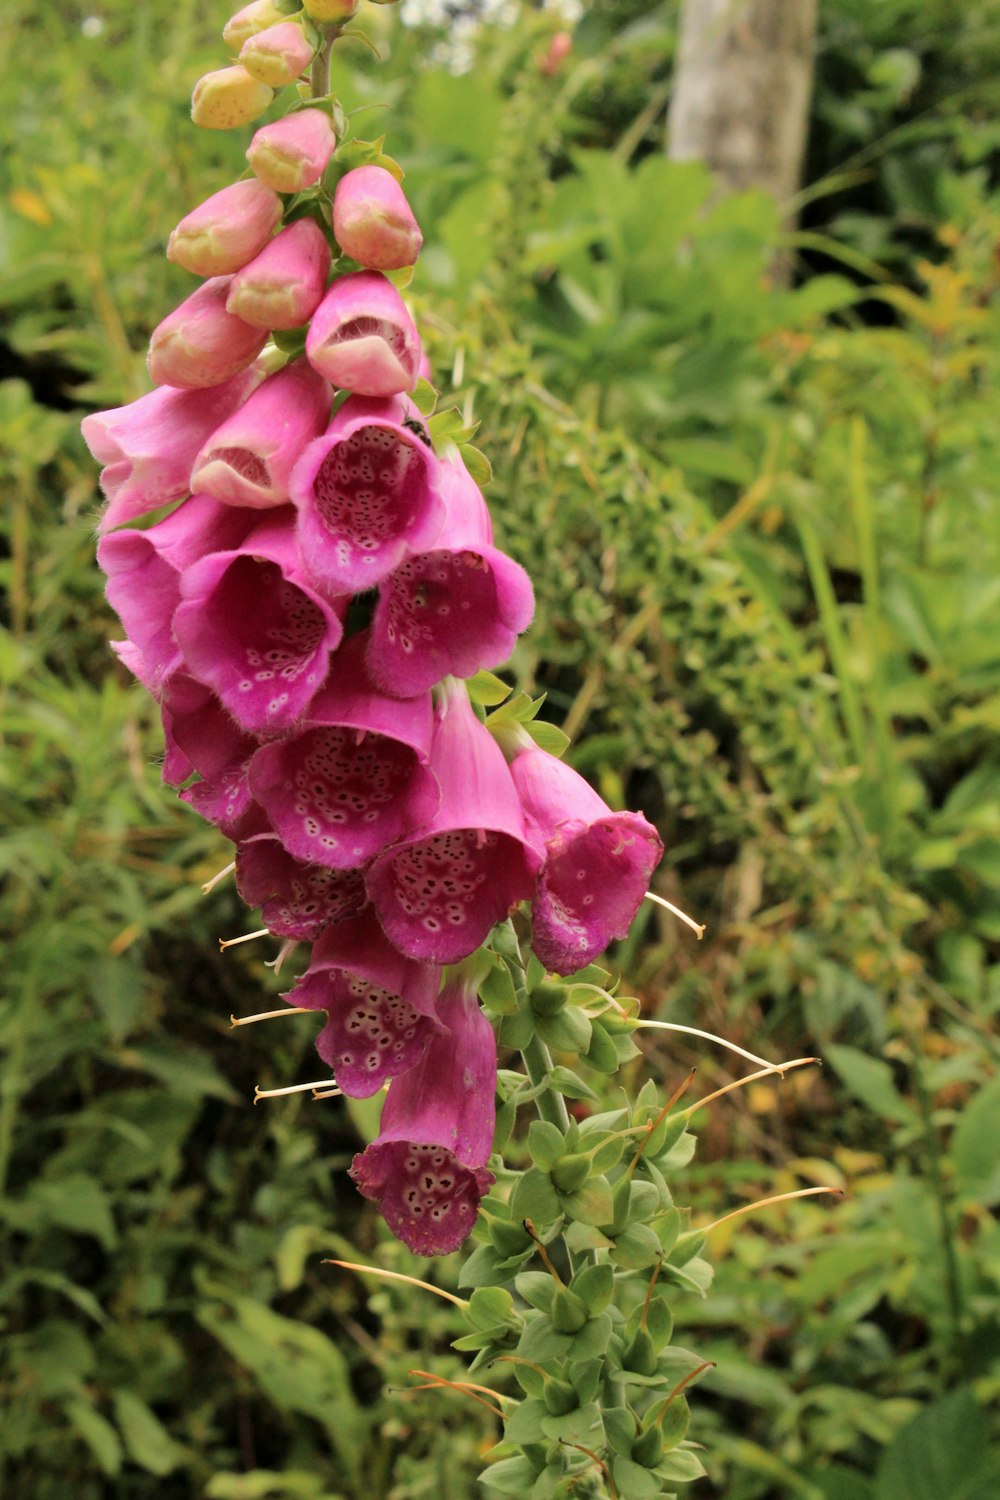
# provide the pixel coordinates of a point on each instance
(293, 153)
(227, 98)
(329, 12)
(548, 997)
(372, 221)
(362, 339)
(284, 285)
(647, 1450)
(571, 1172)
(559, 49)
(568, 1313)
(560, 1397)
(640, 1355)
(253, 18)
(227, 230)
(201, 344)
(278, 55)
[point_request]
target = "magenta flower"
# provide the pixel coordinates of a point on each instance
(149, 445)
(438, 893)
(363, 339)
(253, 631)
(427, 1169)
(201, 344)
(296, 900)
(293, 153)
(144, 577)
(354, 777)
(227, 230)
(380, 1006)
(367, 491)
(372, 221)
(248, 459)
(200, 736)
(597, 862)
(283, 285)
(452, 610)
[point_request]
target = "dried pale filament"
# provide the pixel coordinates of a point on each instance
(350, 1265)
(326, 1084)
(709, 1036)
(248, 937)
(269, 1015)
(739, 1083)
(210, 885)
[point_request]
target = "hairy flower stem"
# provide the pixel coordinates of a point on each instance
(538, 1064)
(319, 73)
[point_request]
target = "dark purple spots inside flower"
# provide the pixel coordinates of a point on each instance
(371, 1035)
(367, 492)
(336, 796)
(426, 1196)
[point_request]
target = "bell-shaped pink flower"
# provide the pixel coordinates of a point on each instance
(278, 55)
(453, 610)
(363, 339)
(597, 862)
(251, 629)
(248, 459)
(144, 576)
(380, 1006)
(366, 492)
(293, 152)
(354, 777)
(283, 286)
(201, 344)
(372, 221)
(297, 901)
(149, 445)
(201, 736)
(427, 1170)
(226, 231)
(438, 892)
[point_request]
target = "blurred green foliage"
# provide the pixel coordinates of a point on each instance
(763, 529)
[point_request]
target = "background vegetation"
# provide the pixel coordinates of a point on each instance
(763, 528)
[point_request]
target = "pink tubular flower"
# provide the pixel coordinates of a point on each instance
(200, 736)
(278, 55)
(294, 152)
(453, 610)
(597, 862)
(427, 1169)
(253, 631)
(380, 1006)
(248, 460)
(354, 777)
(372, 221)
(438, 893)
(297, 901)
(227, 230)
(366, 492)
(363, 339)
(149, 445)
(283, 286)
(144, 577)
(201, 344)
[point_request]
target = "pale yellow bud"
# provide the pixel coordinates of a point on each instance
(329, 12)
(253, 18)
(227, 98)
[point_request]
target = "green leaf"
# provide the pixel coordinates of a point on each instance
(567, 1031)
(424, 398)
(146, 1439)
(974, 1147)
(944, 1451)
(487, 689)
(549, 737)
(478, 465)
(593, 1204)
(534, 1198)
(511, 1476)
(98, 1434)
(633, 1480)
(74, 1202)
(870, 1080)
(564, 1081)
(546, 1144)
(489, 1307)
(682, 1465)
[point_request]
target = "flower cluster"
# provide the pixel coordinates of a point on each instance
(305, 614)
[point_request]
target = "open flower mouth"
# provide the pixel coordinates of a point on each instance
(371, 1035)
(297, 901)
(336, 796)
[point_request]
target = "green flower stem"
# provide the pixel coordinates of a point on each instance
(538, 1064)
(319, 73)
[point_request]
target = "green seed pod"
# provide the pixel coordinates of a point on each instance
(647, 1449)
(560, 1397)
(568, 1312)
(640, 1356)
(509, 1237)
(548, 998)
(571, 1172)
